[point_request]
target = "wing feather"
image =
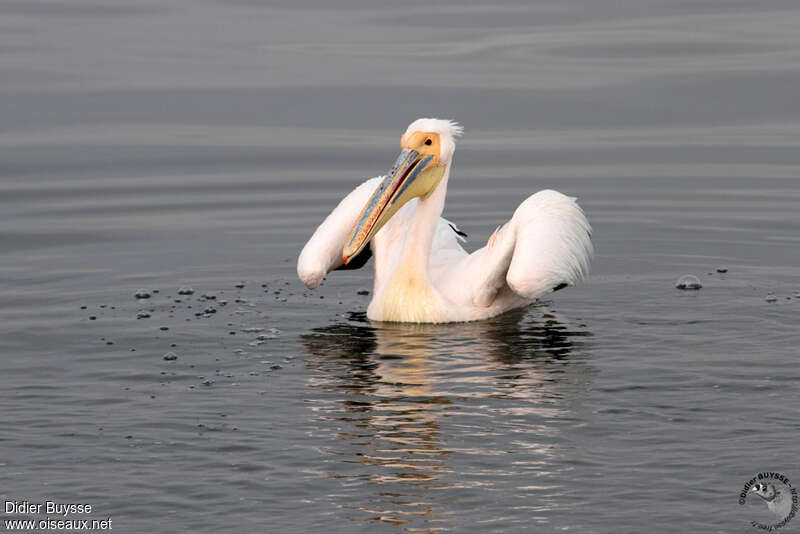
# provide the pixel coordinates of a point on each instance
(544, 247)
(323, 252)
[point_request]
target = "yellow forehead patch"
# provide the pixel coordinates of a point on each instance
(426, 143)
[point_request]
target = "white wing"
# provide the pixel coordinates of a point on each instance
(545, 246)
(323, 252)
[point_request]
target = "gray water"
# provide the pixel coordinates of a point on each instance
(156, 145)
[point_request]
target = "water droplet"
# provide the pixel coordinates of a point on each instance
(771, 298)
(185, 291)
(688, 281)
(208, 382)
(170, 356)
(142, 315)
(142, 293)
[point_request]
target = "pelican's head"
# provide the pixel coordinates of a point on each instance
(765, 491)
(427, 150)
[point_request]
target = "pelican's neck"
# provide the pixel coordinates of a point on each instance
(419, 239)
(407, 294)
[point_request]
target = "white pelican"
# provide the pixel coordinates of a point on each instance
(422, 275)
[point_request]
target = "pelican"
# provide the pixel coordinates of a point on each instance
(421, 272)
(778, 502)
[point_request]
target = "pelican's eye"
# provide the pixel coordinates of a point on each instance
(428, 142)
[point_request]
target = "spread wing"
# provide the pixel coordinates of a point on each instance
(323, 252)
(545, 247)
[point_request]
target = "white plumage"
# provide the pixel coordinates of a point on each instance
(422, 274)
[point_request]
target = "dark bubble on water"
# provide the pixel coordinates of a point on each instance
(688, 282)
(240, 285)
(185, 291)
(210, 310)
(142, 293)
(170, 356)
(208, 296)
(92, 317)
(163, 328)
(722, 269)
(362, 292)
(142, 315)
(771, 298)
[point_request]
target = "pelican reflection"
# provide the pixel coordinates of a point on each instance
(401, 399)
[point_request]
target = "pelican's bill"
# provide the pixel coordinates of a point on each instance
(412, 175)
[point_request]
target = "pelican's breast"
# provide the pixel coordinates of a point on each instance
(407, 296)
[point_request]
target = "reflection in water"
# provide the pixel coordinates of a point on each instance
(406, 401)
